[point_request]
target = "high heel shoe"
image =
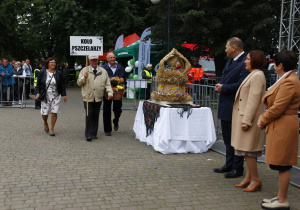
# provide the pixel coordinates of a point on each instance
(258, 187)
(52, 133)
(242, 185)
(46, 130)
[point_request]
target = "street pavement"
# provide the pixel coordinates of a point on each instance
(38, 171)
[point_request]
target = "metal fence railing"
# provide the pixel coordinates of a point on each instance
(14, 91)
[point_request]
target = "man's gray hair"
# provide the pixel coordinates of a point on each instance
(149, 65)
(236, 42)
(107, 56)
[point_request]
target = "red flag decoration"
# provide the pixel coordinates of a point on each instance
(126, 41)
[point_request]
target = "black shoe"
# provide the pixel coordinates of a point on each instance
(107, 134)
(89, 138)
(116, 127)
(223, 169)
(46, 130)
(52, 134)
(233, 174)
(94, 137)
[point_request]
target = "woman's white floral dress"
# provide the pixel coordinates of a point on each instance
(51, 103)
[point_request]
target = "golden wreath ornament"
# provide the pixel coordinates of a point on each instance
(172, 81)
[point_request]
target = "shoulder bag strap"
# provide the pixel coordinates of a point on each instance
(49, 82)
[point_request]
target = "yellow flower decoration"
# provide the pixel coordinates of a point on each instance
(173, 88)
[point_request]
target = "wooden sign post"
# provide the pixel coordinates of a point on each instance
(84, 46)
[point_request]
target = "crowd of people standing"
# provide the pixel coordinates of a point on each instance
(243, 118)
(16, 75)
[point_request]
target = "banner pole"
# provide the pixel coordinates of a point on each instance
(87, 87)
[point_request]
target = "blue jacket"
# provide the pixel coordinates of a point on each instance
(120, 72)
(8, 71)
(233, 75)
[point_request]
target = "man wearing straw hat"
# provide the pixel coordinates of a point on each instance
(94, 81)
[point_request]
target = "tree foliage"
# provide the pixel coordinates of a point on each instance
(43, 27)
(211, 22)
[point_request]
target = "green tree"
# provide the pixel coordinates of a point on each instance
(9, 43)
(211, 22)
(42, 28)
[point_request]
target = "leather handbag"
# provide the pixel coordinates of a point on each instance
(42, 96)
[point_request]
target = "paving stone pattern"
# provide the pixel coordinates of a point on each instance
(117, 172)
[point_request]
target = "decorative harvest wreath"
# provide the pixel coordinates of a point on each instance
(172, 81)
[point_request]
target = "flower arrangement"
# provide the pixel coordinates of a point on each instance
(117, 85)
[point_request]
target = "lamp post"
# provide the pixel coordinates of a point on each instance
(156, 2)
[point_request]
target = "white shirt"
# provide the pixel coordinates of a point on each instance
(114, 69)
(286, 73)
(239, 55)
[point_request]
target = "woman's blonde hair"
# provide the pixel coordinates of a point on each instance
(18, 63)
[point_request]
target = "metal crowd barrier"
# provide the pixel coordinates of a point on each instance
(18, 97)
(136, 91)
(206, 96)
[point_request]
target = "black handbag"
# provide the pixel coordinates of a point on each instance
(42, 96)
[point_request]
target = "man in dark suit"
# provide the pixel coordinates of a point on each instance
(232, 76)
(113, 70)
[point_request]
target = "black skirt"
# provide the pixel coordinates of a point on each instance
(280, 168)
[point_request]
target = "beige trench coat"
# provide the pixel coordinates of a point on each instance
(246, 109)
(281, 120)
(96, 85)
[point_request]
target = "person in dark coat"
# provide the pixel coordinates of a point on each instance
(18, 71)
(113, 70)
(36, 73)
(232, 76)
(66, 74)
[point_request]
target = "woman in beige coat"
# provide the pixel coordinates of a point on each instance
(280, 119)
(248, 140)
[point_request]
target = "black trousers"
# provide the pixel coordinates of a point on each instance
(232, 161)
(117, 109)
(148, 91)
(27, 87)
(92, 120)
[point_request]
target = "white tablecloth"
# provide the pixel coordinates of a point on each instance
(173, 134)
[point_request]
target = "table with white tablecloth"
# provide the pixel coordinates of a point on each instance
(173, 133)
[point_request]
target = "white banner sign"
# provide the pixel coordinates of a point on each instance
(144, 51)
(86, 45)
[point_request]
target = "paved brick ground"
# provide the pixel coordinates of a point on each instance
(118, 172)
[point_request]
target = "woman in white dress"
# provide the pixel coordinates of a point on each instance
(52, 83)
